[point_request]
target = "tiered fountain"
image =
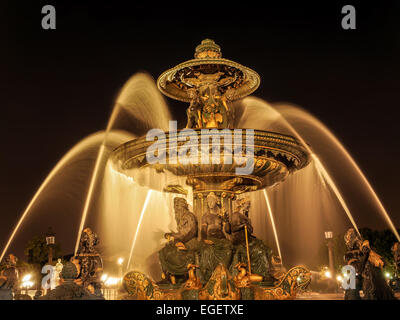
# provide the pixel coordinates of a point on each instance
(211, 156)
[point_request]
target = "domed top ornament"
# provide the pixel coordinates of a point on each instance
(231, 78)
(208, 49)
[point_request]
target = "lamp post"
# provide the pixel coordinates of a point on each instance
(50, 240)
(329, 243)
(120, 262)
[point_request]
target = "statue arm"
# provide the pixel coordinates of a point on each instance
(204, 226)
(241, 224)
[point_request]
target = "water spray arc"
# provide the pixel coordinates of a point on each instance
(350, 159)
(73, 152)
(322, 172)
(146, 202)
(95, 174)
(271, 216)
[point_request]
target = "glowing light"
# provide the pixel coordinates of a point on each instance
(26, 283)
(328, 274)
(27, 277)
(339, 278)
(139, 224)
(271, 216)
(387, 275)
(111, 281)
(104, 277)
(120, 261)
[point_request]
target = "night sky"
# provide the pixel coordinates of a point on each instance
(58, 86)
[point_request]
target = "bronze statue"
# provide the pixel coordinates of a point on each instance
(216, 248)
(396, 256)
(395, 283)
(9, 277)
(250, 248)
(368, 265)
(89, 260)
(239, 220)
(178, 253)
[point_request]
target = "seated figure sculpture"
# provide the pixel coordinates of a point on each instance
(216, 248)
(259, 253)
(179, 252)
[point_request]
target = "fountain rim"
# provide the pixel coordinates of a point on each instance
(284, 144)
(251, 85)
(273, 134)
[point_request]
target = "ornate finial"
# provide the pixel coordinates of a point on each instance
(208, 49)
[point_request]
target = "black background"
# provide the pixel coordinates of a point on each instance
(58, 86)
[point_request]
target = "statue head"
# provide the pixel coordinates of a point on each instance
(352, 239)
(180, 206)
(11, 260)
(212, 200)
(243, 205)
(69, 271)
(88, 241)
(180, 203)
(59, 260)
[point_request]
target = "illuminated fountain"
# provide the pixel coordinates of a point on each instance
(129, 200)
(214, 159)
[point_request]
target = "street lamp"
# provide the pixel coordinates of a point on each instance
(328, 234)
(50, 241)
(120, 262)
(329, 243)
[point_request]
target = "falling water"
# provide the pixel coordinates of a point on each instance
(141, 100)
(80, 154)
(131, 214)
(146, 202)
(272, 120)
(300, 217)
(326, 177)
(133, 222)
(271, 216)
(296, 114)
